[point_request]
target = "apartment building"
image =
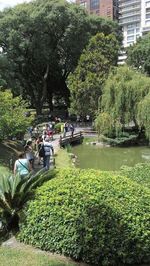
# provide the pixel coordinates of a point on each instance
(103, 8)
(134, 17)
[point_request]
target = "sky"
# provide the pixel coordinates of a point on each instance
(10, 3)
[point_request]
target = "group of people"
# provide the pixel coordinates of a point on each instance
(39, 147)
(48, 130)
(43, 150)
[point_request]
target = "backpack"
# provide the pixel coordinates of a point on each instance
(42, 151)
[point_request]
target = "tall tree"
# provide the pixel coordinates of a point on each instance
(87, 81)
(139, 54)
(43, 41)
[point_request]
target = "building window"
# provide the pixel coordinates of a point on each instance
(94, 4)
(147, 16)
(147, 22)
(148, 10)
(130, 38)
(148, 4)
(131, 26)
(130, 32)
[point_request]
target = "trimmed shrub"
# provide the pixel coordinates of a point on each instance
(92, 216)
(121, 141)
(140, 173)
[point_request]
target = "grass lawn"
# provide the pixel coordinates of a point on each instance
(27, 257)
(62, 159)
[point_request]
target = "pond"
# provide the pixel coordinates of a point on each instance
(109, 158)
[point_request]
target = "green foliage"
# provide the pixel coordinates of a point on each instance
(87, 81)
(12, 112)
(62, 159)
(95, 216)
(58, 127)
(123, 91)
(139, 173)
(61, 30)
(103, 123)
(139, 54)
(14, 193)
(90, 139)
(121, 140)
(144, 114)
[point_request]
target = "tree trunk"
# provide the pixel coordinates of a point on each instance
(44, 93)
(38, 107)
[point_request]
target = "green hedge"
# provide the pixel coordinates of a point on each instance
(121, 141)
(92, 216)
(140, 173)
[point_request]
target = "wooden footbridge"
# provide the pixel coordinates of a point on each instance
(76, 138)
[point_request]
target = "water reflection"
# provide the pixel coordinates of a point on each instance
(110, 158)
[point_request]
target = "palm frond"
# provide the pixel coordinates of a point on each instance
(3, 203)
(15, 192)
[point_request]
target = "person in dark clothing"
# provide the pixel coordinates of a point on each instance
(71, 126)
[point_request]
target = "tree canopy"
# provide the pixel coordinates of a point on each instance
(144, 114)
(139, 54)
(126, 98)
(42, 41)
(87, 81)
(12, 113)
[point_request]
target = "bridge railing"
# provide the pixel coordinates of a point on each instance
(71, 139)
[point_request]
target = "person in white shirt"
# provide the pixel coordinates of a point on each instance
(49, 151)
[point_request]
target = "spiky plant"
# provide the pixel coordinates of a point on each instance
(15, 192)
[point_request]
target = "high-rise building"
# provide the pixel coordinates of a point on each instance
(103, 8)
(134, 17)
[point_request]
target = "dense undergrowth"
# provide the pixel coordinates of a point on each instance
(140, 173)
(97, 217)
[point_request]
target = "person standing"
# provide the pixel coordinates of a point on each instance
(65, 129)
(71, 126)
(49, 151)
(29, 153)
(22, 166)
(87, 118)
(39, 144)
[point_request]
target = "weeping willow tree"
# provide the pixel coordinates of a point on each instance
(124, 89)
(103, 123)
(144, 114)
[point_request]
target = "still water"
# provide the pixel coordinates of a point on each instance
(109, 158)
